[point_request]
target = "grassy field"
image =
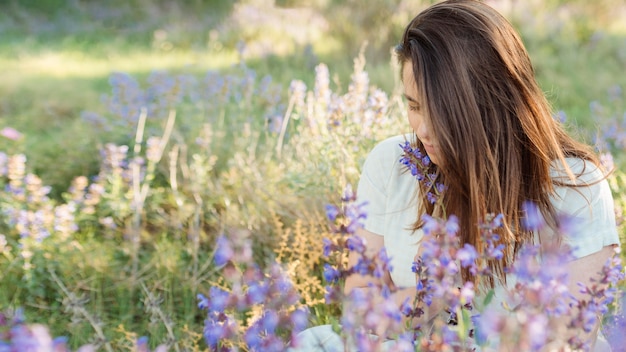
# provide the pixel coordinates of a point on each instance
(138, 243)
(56, 67)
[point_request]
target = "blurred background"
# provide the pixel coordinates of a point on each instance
(134, 133)
(56, 56)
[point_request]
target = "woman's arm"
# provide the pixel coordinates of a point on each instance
(374, 243)
(582, 270)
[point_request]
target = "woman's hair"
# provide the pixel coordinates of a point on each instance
(496, 135)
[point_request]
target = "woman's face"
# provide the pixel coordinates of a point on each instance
(417, 119)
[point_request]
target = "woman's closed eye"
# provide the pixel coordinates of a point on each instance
(414, 105)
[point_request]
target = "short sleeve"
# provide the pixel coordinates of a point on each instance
(373, 183)
(589, 208)
(391, 195)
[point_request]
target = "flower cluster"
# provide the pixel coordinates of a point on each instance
(17, 335)
(205, 96)
(258, 310)
(438, 266)
(535, 310)
(419, 164)
(29, 215)
(365, 310)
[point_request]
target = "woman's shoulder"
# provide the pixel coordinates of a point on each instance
(585, 171)
(384, 158)
(391, 145)
(383, 168)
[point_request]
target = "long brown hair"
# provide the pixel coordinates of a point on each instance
(493, 124)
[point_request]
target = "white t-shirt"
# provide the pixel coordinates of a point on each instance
(391, 193)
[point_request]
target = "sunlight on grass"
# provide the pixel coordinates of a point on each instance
(73, 82)
(76, 64)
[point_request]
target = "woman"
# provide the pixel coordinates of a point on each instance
(478, 113)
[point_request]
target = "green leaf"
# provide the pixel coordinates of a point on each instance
(489, 297)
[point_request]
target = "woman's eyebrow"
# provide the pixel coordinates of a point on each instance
(412, 100)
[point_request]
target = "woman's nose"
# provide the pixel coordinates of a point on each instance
(422, 131)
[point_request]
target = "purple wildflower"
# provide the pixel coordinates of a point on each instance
(328, 246)
(533, 219)
(141, 345)
(467, 255)
(331, 274)
(204, 302)
(432, 199)
(355, 244)
(223, 251)
(431, 225)
(213, 332)
(537, 331)
(332, 212)
(218, 300)
(270, 321)
(300, 319)
(452, 225)
(257, 292)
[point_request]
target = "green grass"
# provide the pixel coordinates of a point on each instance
(56, 67)
(51, 77)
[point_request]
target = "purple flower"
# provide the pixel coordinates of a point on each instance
(615, 326)
(467, 255)
(406, 307)
(252, 337)
(452, 225)
(355, 244)
(590, 317)
(24, 338)
(204, 301)
(362, 266)
(327, 247)
(216, 331)
(537, 331)
(358, 298)
(391, 310)
(300, 319)
(218, 300)
(450, 336)
(331, 212)
(355, 214)
(467, 292)
(569, 225)
(533, 220)
(257, 292)
(331, 274)
(60, 344)
(223, 251)
(431, 225)
(432, 199)
(348, 194)
(141, 344)
(270, 321)
(606, 159)
(495, 252)
(415, 267)
(560, 116)
(489, 323)
(383, 259)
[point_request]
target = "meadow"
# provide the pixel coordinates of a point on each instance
(148, 145)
